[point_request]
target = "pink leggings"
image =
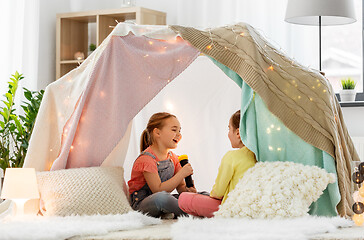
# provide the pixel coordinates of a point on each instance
(198, 204)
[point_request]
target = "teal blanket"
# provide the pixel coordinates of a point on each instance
(270, 140)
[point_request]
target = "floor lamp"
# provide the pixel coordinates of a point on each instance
(320, 13)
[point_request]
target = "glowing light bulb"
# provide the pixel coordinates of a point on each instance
(271, 68)
(279, 149)
(208, 47)
(358, 208)
(272, 126)
(72, 147)
(146, 55)
(324, 90)
(150, 43)
(361, 168)
(51, 150)
(358, 219)
(357, 177)
(242, 34)
(311, 99)
(149, 77)
(102, 94)
(268, 130)
(299, 97)
(278, 128)
(169, 106)
(270, 148)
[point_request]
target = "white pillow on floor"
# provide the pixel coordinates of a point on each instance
(83, 191)
(276, 189)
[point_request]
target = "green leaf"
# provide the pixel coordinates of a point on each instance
(348, 83)
(28, 95)
(5, 113)
(9, 97)
(6, 103)
(18, 124)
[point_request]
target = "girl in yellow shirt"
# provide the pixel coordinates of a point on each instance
(232, 168)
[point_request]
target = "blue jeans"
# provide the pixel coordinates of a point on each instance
(159, 203)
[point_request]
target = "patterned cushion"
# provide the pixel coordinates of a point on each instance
(276, 190)
(83, 191)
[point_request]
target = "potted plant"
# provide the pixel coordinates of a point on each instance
(15, 129)
(348, 92)
(91, 48)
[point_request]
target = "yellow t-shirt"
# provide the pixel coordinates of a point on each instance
(232, 168)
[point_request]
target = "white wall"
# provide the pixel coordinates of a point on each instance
(192, 12)
(354, 119)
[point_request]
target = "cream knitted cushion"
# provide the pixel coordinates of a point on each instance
(276, 190)
(83, 191)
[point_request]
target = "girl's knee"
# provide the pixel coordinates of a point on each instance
(184, 200)
(164, 198)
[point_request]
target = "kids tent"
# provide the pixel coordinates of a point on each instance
(289, 112)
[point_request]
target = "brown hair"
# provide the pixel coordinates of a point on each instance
(235, 120)
(155, 121)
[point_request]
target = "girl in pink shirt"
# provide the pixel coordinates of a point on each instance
(157, 172)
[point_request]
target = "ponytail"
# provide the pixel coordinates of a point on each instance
(145, 140)
(155, 121)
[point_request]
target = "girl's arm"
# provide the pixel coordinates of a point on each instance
(226, 171)
(155, 184)
(183, 188)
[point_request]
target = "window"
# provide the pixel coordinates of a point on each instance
(342, 52)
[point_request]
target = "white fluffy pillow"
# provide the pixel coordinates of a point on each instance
(276, 189)
(83, 191)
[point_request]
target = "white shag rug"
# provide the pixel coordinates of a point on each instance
(66, 227)
(258, 229)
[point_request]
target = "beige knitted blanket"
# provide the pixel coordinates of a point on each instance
(300, 97)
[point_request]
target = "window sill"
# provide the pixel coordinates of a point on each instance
(352, 104)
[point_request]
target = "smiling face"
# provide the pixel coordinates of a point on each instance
(170, 134)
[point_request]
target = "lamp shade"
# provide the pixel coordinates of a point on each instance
(332, 12)
(20, 183)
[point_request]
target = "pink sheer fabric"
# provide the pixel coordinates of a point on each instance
(130, 72)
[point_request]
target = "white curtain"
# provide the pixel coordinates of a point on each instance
(19, 24)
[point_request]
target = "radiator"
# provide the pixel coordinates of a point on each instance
(359, 146)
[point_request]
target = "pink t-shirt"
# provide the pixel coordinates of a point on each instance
(146, 163)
